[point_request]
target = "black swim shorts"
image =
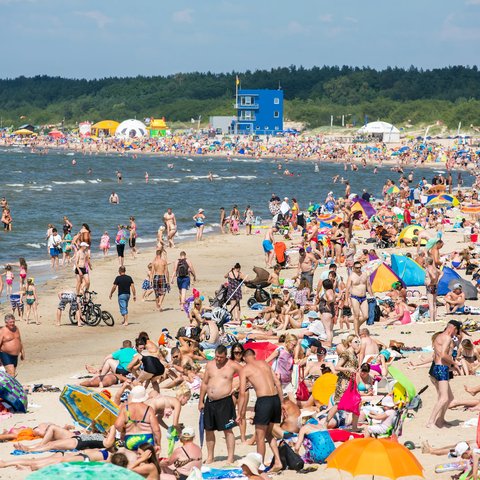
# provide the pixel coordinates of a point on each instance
(268, 410)
(8, 359)
(219, 414)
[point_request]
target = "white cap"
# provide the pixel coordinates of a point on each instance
(330, 193)
(388, 402)
(138, 394)
(84, 244)
(285, 198)
(458, 285)
(188, 432)
(460, 449)
(200, 210)
(253, 461)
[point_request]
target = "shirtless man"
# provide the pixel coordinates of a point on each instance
(166, 406)
(161, 278)
(432, 276)
(268, 407)
(368, 346)
(434, 252)
(455, 300)
(218, 407)
(209, 336)
(268, 243)
(358, 284)
(307, 263)
(171, 226)
(82, 261)
(440, 372)
(11, 346)
(114, 199)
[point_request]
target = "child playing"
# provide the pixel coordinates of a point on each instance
(105, 243)
(386, 419)
(23, 271)
(147, 284)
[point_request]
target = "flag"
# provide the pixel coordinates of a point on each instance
(237, 81)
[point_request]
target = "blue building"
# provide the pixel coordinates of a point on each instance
(259, 112)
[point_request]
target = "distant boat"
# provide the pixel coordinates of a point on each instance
(317, 169)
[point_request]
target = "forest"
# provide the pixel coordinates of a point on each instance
(312, 95)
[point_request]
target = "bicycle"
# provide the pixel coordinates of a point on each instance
(90, 312)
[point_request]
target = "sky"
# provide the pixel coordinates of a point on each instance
(103, 38)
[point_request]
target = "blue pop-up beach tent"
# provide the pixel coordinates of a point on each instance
(448, 275)
(408, 270)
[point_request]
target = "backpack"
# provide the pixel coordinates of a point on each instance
(289, 458)
(182, 268)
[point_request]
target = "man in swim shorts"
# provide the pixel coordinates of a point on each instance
(82, 268)
(440, 372)
(268, 407)
(11, 346)
(67, 297)
(268, 243)
(161, 280)
(358, 284)
(216, 402)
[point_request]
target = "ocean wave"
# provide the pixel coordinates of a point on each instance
(35, 245)
(170, 180)
(228, 178)
(193, 231)
(146, 240)
(73, 182)
(15, 185)
(95, 181)
(247, 177)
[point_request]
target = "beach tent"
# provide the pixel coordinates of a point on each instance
(158, 127)
(409, 271)
(448, 274)
(361, 205)
(407, 232)
(56, 134)
(131, 128)
(469, 290)
(383, 277)
(383, 131)
(106, 128)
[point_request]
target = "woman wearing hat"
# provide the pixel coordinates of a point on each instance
(199, 223)
(250, 466)
(137, 421)
(185, 458)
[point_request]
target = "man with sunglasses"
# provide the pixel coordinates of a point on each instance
(358, 284)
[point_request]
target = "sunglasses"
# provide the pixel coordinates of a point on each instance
(238, 352)
(176, 356)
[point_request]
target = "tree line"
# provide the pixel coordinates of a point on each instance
(450, 94)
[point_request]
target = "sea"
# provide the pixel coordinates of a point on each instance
(42, 188)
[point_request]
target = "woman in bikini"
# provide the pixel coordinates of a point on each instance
(30, 298)
(184, 458)
(147, 464)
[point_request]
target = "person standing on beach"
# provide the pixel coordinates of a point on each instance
(223, 219)
(440, 373)
(268, 246)
(199, 223)
(132, 239)
(216, 402)
(182, 269)
(268, 406)
(54, 243)
(125, 284)
(358, 284)
(249, 220)
(11, 346)
(161, 282)
(171, 226)
(120, 242)
(431, 282)
(82, 268)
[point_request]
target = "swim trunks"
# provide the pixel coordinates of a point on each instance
(183, 283)
(267, 246)
(8, 359)
(440, 373)
(219, 414)
(66, 298)
(160, 285)
(80, 269)
(360, 300)
(133, 441)
(268, 410)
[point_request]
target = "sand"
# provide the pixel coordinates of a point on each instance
(54, 355)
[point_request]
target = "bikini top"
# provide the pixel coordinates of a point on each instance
(143, 420)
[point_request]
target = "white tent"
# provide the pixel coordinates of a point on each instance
(131, 129)
(382, 130)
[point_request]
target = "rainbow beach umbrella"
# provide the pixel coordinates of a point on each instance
(442, 200)
(393, 190)
(361, 205)
(383, 277)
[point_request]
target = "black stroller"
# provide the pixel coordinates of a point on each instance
(259, 283)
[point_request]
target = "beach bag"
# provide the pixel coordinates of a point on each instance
(302, 393)
(351, 399)
(290, 460)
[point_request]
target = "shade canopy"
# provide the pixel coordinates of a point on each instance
(129, 129)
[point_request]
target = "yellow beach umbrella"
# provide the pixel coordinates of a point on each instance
(324, 387)
(407, 232)
(23, 131)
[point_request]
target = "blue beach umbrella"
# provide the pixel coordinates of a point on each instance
(84, 471)
(201, 428)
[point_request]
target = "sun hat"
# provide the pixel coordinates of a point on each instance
(200, 210)
(460, 449)
(253, 461)
(138, 394)
(84, 244)
(388, 402)
(187, 432)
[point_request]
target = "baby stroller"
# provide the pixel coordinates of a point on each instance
(382, 238)
(259, 283)
(220, 298)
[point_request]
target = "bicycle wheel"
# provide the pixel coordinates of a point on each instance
(107, 317)
(72, 315)
(93, 315)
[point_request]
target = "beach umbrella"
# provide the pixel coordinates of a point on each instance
(407, 232)
(375, 458)
(201, 427)
(383, 278)
(84, 471)
(361, 205)
(471, 208)
(262, 349)
(56, 134)
(442, 200)
(393, 190)
(324, 388)
(12, 392)
(329, 218)
(23, 131)
(88, 407)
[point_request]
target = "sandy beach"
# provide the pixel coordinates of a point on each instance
(57, 355)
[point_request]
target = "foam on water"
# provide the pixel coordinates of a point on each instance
(73, 182)
(35, 245)
(15, 185)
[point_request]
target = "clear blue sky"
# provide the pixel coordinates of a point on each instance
(91, 39)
